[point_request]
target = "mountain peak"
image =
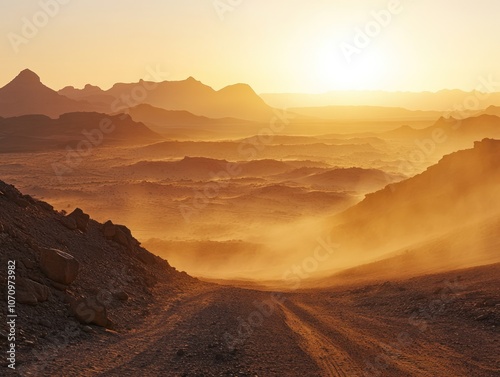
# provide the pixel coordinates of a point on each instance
(27, 76)
(239, 88)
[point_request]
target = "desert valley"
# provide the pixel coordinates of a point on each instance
(164, 227)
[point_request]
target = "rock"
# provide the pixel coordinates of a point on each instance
(87, 329)
(121, 238)
(26, 297)
(69, 223)
(483, 317)
(30, 292)
(45, 206)
(58, 266)
(89, 311)
(109, 229)
(42, 292)
(146, 257)
(81, 218)
(121, 295)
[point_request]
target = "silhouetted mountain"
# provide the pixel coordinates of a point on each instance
(450, 134)
(92, 94)
(166, 121)
(351, 113)
(236, 101)
(459, 190)
(39, 132)
(492, 110)
(27, 95)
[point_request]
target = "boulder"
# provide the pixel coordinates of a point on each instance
(109, 229)
(121, 238)
(90, 311)
(69, 223)
(59, 266)
(81, 219)
(45, 206)
(121, 295)
(30, 292)
(41, 291)
(24, 296)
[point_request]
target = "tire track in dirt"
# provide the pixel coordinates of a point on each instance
(124, 351)
(334, 361)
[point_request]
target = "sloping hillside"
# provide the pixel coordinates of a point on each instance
(73, 275)
(461, 189)
(26, 94)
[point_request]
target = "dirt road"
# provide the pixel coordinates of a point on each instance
(441, 325)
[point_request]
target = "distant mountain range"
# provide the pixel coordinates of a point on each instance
(26, 95)
(449, 134)
(237, 101)
(442, 101)
(366, 113)
(173, 122)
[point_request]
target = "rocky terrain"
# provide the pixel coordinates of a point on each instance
(74, 277)
(85, 288)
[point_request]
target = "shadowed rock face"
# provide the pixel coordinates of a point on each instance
(78, 274)
(59, 266)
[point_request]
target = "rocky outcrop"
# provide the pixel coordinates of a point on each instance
(30, 292)
(58, 266)
(69, 277)
(81, 219)
(90, 311)
(120, 234)
(109, 229)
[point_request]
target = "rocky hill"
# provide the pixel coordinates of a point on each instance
(459, 190)
(26, 94)
(74, 277)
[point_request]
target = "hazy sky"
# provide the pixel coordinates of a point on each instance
(273, 45)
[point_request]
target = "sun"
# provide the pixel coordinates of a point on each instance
(365, 71)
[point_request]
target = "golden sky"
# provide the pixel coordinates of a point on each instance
(273, 45)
